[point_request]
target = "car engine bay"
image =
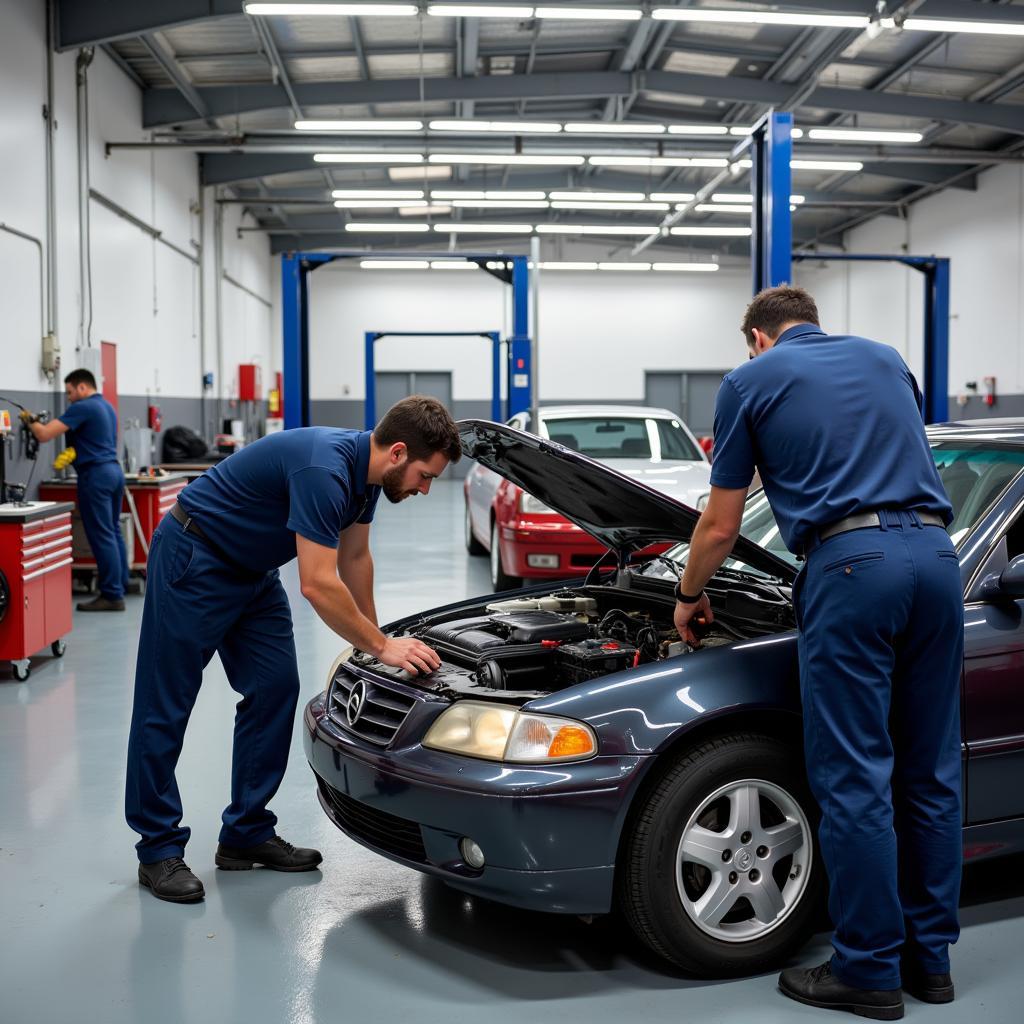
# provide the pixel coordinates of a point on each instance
(521, 648)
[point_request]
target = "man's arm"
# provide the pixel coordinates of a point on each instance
(355, 567)
(47, 431)
(713, 538)
(334, 603)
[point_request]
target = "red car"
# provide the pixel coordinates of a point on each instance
(527, 540)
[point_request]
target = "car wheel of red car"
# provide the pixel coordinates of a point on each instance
(473, 546)
(500, 580)
(720, 872)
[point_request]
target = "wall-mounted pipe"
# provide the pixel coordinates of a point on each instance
(42, 274)
(138, 222)
(85, 56)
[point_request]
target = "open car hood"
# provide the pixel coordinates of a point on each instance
(619, 512)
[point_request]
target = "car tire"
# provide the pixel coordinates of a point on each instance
(500, 580)
(674, 901)
(473, 546)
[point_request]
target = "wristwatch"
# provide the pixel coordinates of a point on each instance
(687, 598)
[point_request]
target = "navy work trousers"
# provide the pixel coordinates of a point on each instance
(197, 603)
(100, 493)
(881, 655)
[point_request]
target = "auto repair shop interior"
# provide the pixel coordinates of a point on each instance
(244, 218)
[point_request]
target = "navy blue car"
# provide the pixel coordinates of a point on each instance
(573, 755)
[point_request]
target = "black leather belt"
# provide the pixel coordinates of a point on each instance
(865, 520)
(188, 524)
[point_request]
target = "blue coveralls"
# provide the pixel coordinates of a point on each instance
(221, 593)
(92, 432)
(833, 425)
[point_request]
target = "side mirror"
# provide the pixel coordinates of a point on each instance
(1008, 585)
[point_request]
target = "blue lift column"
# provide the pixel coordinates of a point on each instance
(294, 306)
(519, 368)
(771, 148)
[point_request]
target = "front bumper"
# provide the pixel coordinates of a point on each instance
(550, 834)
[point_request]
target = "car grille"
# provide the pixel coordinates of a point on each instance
(378, 829)
(384, 709)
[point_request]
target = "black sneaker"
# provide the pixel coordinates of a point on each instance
(928, 988)
(101, 604)
(275, 853)
(171, 880)
(819, 987)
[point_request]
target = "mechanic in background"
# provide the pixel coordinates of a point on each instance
(92, 421)
(833, 425)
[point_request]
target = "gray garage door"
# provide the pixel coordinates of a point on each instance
(691, 395)
(393, 386)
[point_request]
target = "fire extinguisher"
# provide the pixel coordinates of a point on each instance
(156, 419)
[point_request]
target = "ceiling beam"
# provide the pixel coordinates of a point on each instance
(163, 107)
(92, 22)
(163, 56)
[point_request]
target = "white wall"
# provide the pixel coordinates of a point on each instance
(599, 331)
(145, 296)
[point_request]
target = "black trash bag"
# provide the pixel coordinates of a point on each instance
(181, 444)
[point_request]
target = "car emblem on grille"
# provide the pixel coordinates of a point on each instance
(356, 700)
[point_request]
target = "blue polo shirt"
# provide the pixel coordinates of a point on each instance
(309, 481)
(833, 424)
(92, 430)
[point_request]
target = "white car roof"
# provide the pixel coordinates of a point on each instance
(633, 411)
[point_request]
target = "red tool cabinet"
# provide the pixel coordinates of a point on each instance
(35, 581)
(153, 498)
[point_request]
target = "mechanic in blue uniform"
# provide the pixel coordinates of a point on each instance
(214, 587)
(92, 422)
(833, 426)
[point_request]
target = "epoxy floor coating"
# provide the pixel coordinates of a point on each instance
(366, 939)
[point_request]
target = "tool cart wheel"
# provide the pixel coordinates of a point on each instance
(21, 669)
(58, 647)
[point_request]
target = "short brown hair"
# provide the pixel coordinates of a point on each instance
(773, 307)
(423, 425)
(76, 377)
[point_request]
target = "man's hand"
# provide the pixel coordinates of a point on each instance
(684, 613)
(411, 654)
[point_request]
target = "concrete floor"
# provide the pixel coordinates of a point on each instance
(367, 939)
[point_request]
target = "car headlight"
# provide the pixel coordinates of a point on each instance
(498, 733)
(528, 503)
(702, 502)
(338, 662)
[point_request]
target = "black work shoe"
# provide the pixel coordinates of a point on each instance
(101, 604)
(928, 988)
(275, 853)
(819, 987)
(171, 880)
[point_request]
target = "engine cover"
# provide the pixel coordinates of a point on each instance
(475, 637)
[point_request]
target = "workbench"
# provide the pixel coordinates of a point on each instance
(35, 580)
(147, 500)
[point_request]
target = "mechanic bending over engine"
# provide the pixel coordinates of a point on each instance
(214, 587)
(833, 425)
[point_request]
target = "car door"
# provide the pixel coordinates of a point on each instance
(994, 690)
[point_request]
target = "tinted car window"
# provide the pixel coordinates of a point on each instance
(623, 437)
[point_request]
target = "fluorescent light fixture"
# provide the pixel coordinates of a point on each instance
(613, 128)
(459, 227)
(710, 232)
(746, 197)
(597, 197)
(724, 208)
(575, 204)
(672, 197)
(624, 266)
(419, 173)
(501, 204)
(377, 204)
(988, 28)
(591, 13)
(368, 158)
(375, 193)
(594, 229)
(393, 264)
(452, 265)
(697, 129)
(862, 135)
(795, 133)
(568, 265)
(697, 268)
(486, 194)
(514, 127)
(762, 17)
(373, 228)
(657, 161)
(479, 11)
(336, 10)
(367, 125)
(826, 165)
(510, 159)
(424, 211)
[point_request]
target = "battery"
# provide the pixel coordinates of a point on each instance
(599, 656)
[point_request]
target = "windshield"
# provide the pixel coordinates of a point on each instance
(624, 437)
(974, 476)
